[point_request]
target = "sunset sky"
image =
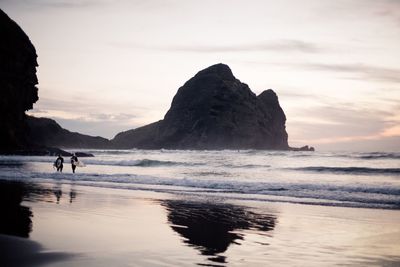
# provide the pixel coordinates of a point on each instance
(112, 65)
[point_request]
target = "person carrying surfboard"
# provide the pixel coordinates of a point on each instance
(59, 163)
(74, 162)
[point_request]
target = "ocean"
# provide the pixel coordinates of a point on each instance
(344, 179)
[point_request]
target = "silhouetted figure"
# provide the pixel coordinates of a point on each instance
(59, 163)
(74, 162)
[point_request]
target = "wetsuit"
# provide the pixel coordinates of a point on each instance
(73, 160)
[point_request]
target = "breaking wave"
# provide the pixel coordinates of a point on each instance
(350, 170)
(325, 178)
(348, 195)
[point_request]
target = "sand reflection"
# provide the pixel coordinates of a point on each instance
(16, 219)
(212, 228)
(16, 225)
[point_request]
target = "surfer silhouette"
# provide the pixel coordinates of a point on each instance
(74, 162)
(59, 163)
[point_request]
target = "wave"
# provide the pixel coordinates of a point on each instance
(357, 195)
(379, 155)
(245, 166)
(20, 160)
(110, 151)
(237, 186)
(140, 163)
(156, 163)
(350, 170)
(360, 155)
(94, 161)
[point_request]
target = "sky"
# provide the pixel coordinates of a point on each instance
(107, 66)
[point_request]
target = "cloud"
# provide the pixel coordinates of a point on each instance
(389, 9)
(393, 131)
(56, 3)
(341, 123)
(107, 129)
(297, 95)
(121, 118)
(36, 111)
(104, 124)
(108, 117)
(359, 71)
(86, 104)
(277, 46)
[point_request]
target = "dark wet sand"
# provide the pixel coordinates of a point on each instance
(69, 225)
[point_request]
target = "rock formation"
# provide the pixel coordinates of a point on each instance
(214, 110)
(48, 133)
(18, 82)
(21, 134)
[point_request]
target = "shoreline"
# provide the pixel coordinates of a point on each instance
(68, 179)
(92, 225)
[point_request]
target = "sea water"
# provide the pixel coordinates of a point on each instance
(347, 179)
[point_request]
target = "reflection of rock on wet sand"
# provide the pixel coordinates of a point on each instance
(16, 221)
(16, 218)
(211, 228)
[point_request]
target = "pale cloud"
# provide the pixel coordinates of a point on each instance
(54, 114)
(393, 131)
(38, 112)
(55, 3)
(106, 117)
(357, 71)
(340, 122)
(276, 46)
(108, 129)
(389, 9)
(104, 124)
(123, 118)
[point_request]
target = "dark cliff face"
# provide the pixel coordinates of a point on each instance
(18, 82)
(18, 92)
(214, 110)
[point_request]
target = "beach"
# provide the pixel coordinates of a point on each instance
(188, 133)
(75, 225)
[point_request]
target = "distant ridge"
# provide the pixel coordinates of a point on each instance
(47, 132)
(214, 110)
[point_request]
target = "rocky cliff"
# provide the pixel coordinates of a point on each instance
(18, 82)
(19, 133)
(214, 110)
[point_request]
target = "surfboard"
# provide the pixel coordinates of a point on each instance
(57, 163)
(79, 164)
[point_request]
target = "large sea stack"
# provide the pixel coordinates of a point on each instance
(214, 110)
(18, 81)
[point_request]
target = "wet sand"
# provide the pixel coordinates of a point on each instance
(68, 225)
